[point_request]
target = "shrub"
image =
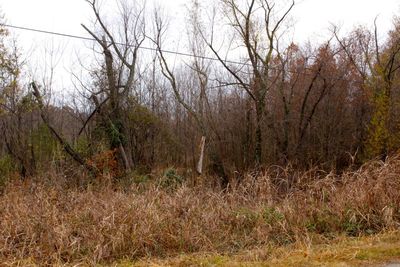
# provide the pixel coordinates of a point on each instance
(6, 168)
(272, 215)
(171, 180)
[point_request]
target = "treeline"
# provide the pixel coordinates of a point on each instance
(333, 105)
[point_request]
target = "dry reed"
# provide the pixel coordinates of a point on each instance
(46, 224)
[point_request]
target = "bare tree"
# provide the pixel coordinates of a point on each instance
(258, 29)
(120, 57)
(168, 73)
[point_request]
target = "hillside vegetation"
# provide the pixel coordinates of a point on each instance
(192, 150)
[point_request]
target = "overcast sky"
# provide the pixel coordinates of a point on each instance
(312, 18)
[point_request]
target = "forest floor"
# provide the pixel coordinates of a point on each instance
(376, 250)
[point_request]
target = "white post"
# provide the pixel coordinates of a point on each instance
(200, 163)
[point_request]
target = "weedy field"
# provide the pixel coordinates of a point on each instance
(269, 216)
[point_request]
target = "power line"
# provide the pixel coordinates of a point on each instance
(141, 47)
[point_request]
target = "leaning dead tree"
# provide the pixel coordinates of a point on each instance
(171, 77)
(58, 136)
(200, 110)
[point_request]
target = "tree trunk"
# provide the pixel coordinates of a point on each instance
(259, 139)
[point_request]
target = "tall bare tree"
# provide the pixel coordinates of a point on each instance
(121, 53)
(256, 25)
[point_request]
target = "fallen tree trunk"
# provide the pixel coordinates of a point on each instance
(66, 146)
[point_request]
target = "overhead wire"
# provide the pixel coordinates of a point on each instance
(140, 47)
(66, 35)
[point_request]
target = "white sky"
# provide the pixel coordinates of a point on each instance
(311, 16)
(312, 19)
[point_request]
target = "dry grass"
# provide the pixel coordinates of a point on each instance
(50, 224)
(343, 251)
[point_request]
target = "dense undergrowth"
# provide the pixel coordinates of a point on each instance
(43, 221)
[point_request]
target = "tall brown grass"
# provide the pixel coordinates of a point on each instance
(51, 224)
